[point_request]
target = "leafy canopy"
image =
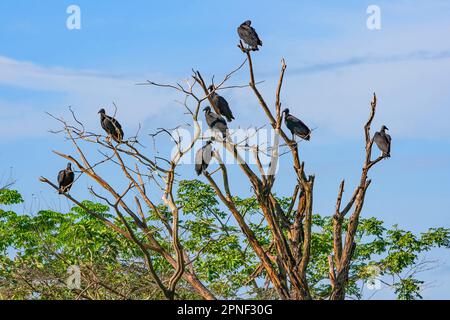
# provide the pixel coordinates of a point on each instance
(37, 249)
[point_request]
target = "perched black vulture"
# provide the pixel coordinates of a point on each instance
(111, 126)
(296, 126)
(249, 35)
(203, 157)
(383, 141)
(216, 122)
(65, 179)
(221, 105)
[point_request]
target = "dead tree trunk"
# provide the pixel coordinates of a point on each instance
(343, 253)
(291, 237)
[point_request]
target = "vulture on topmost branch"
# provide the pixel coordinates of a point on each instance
(249, 35)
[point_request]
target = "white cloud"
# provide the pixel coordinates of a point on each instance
(411, 89)
(86, 91)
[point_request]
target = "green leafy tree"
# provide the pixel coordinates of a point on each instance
(37, 250)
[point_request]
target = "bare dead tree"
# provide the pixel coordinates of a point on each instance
(292, 236)
(285, 261)
(344, 249)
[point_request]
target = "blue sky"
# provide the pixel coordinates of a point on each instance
(334, 65)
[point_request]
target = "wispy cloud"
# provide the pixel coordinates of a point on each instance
(340, 90)
(362, 60)
(85, 90)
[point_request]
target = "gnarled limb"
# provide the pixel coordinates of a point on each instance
(343, 253)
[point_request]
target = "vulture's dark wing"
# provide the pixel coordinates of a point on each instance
(382, 143)
(257, 37)
(249, 35)
(389, 140)
(297, 127)
(213, 119)
(104, 123)
(107, 126)
(61, 175)
(242, 32)
(221, 125)
(113, 127)
(70, 177)
(223, 106)
(202, 158)
(207, 155)
(216, 122)
(199, 161)
(222, 128)
(116, 124)
(65, 180)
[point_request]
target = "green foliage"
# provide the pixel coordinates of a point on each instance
(408, 289)
(380, 253)
(9, 197)
(221, 260)
(36, 250)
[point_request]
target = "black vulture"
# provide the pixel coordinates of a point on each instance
(65, 179)
(216, 122)
(203, 157)
(296, 126)
(111, 126)
(221, 105)
(383, 141)
(249, 35)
